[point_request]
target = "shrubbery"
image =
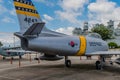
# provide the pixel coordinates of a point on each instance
(113, 45)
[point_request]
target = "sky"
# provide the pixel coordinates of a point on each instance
(60, 15)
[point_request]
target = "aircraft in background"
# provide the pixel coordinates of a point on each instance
(12, 52)
(36, 37)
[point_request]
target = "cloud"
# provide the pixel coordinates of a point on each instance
(66, 30)
(2, 9)
(69, 16)
(102, 11)
(72, 5)
(47, 18)
(13, 12)
(71, 10)
(46, 2)
(8, 39)
(4, 13)
(8, 20)
(39, 0)
(102, 6)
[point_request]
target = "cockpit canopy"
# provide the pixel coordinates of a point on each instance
(95, 35)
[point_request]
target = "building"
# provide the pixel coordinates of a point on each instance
(85, 27)
(79, 31)
(115, 32)
(110, 25)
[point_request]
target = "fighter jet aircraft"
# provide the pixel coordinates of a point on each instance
(12, 52)
(36, 37)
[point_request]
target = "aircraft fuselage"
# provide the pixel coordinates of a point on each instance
(67, 46)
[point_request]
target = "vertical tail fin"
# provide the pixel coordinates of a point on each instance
(27, 14)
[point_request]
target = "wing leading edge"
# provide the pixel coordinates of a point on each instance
(105, 53)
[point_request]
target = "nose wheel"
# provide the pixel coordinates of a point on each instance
(98, 65)
(67, 62)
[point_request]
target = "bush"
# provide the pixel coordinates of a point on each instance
(112, 45)
(118, 47)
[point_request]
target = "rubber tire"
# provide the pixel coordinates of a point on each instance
(68, 63)
(98, 66)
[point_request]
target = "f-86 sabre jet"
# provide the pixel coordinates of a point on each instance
(36, 37)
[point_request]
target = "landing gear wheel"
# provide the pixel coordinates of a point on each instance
(98, 65)
(68, 63)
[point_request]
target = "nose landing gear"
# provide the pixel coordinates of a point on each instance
(67, 62)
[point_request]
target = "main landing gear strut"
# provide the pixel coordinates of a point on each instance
(67, 62)
(100, 63)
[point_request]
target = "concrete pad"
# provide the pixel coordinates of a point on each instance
(55, 70)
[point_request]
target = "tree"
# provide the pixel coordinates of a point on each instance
(1, 44)
(103, 31)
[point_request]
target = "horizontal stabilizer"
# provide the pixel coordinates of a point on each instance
(35, 29)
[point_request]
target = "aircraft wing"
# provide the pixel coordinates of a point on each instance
(8, 48)
(21, 51)
(105, 53)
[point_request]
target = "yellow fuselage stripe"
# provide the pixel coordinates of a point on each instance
(27, 13)
(24, 5)
(82, 48)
